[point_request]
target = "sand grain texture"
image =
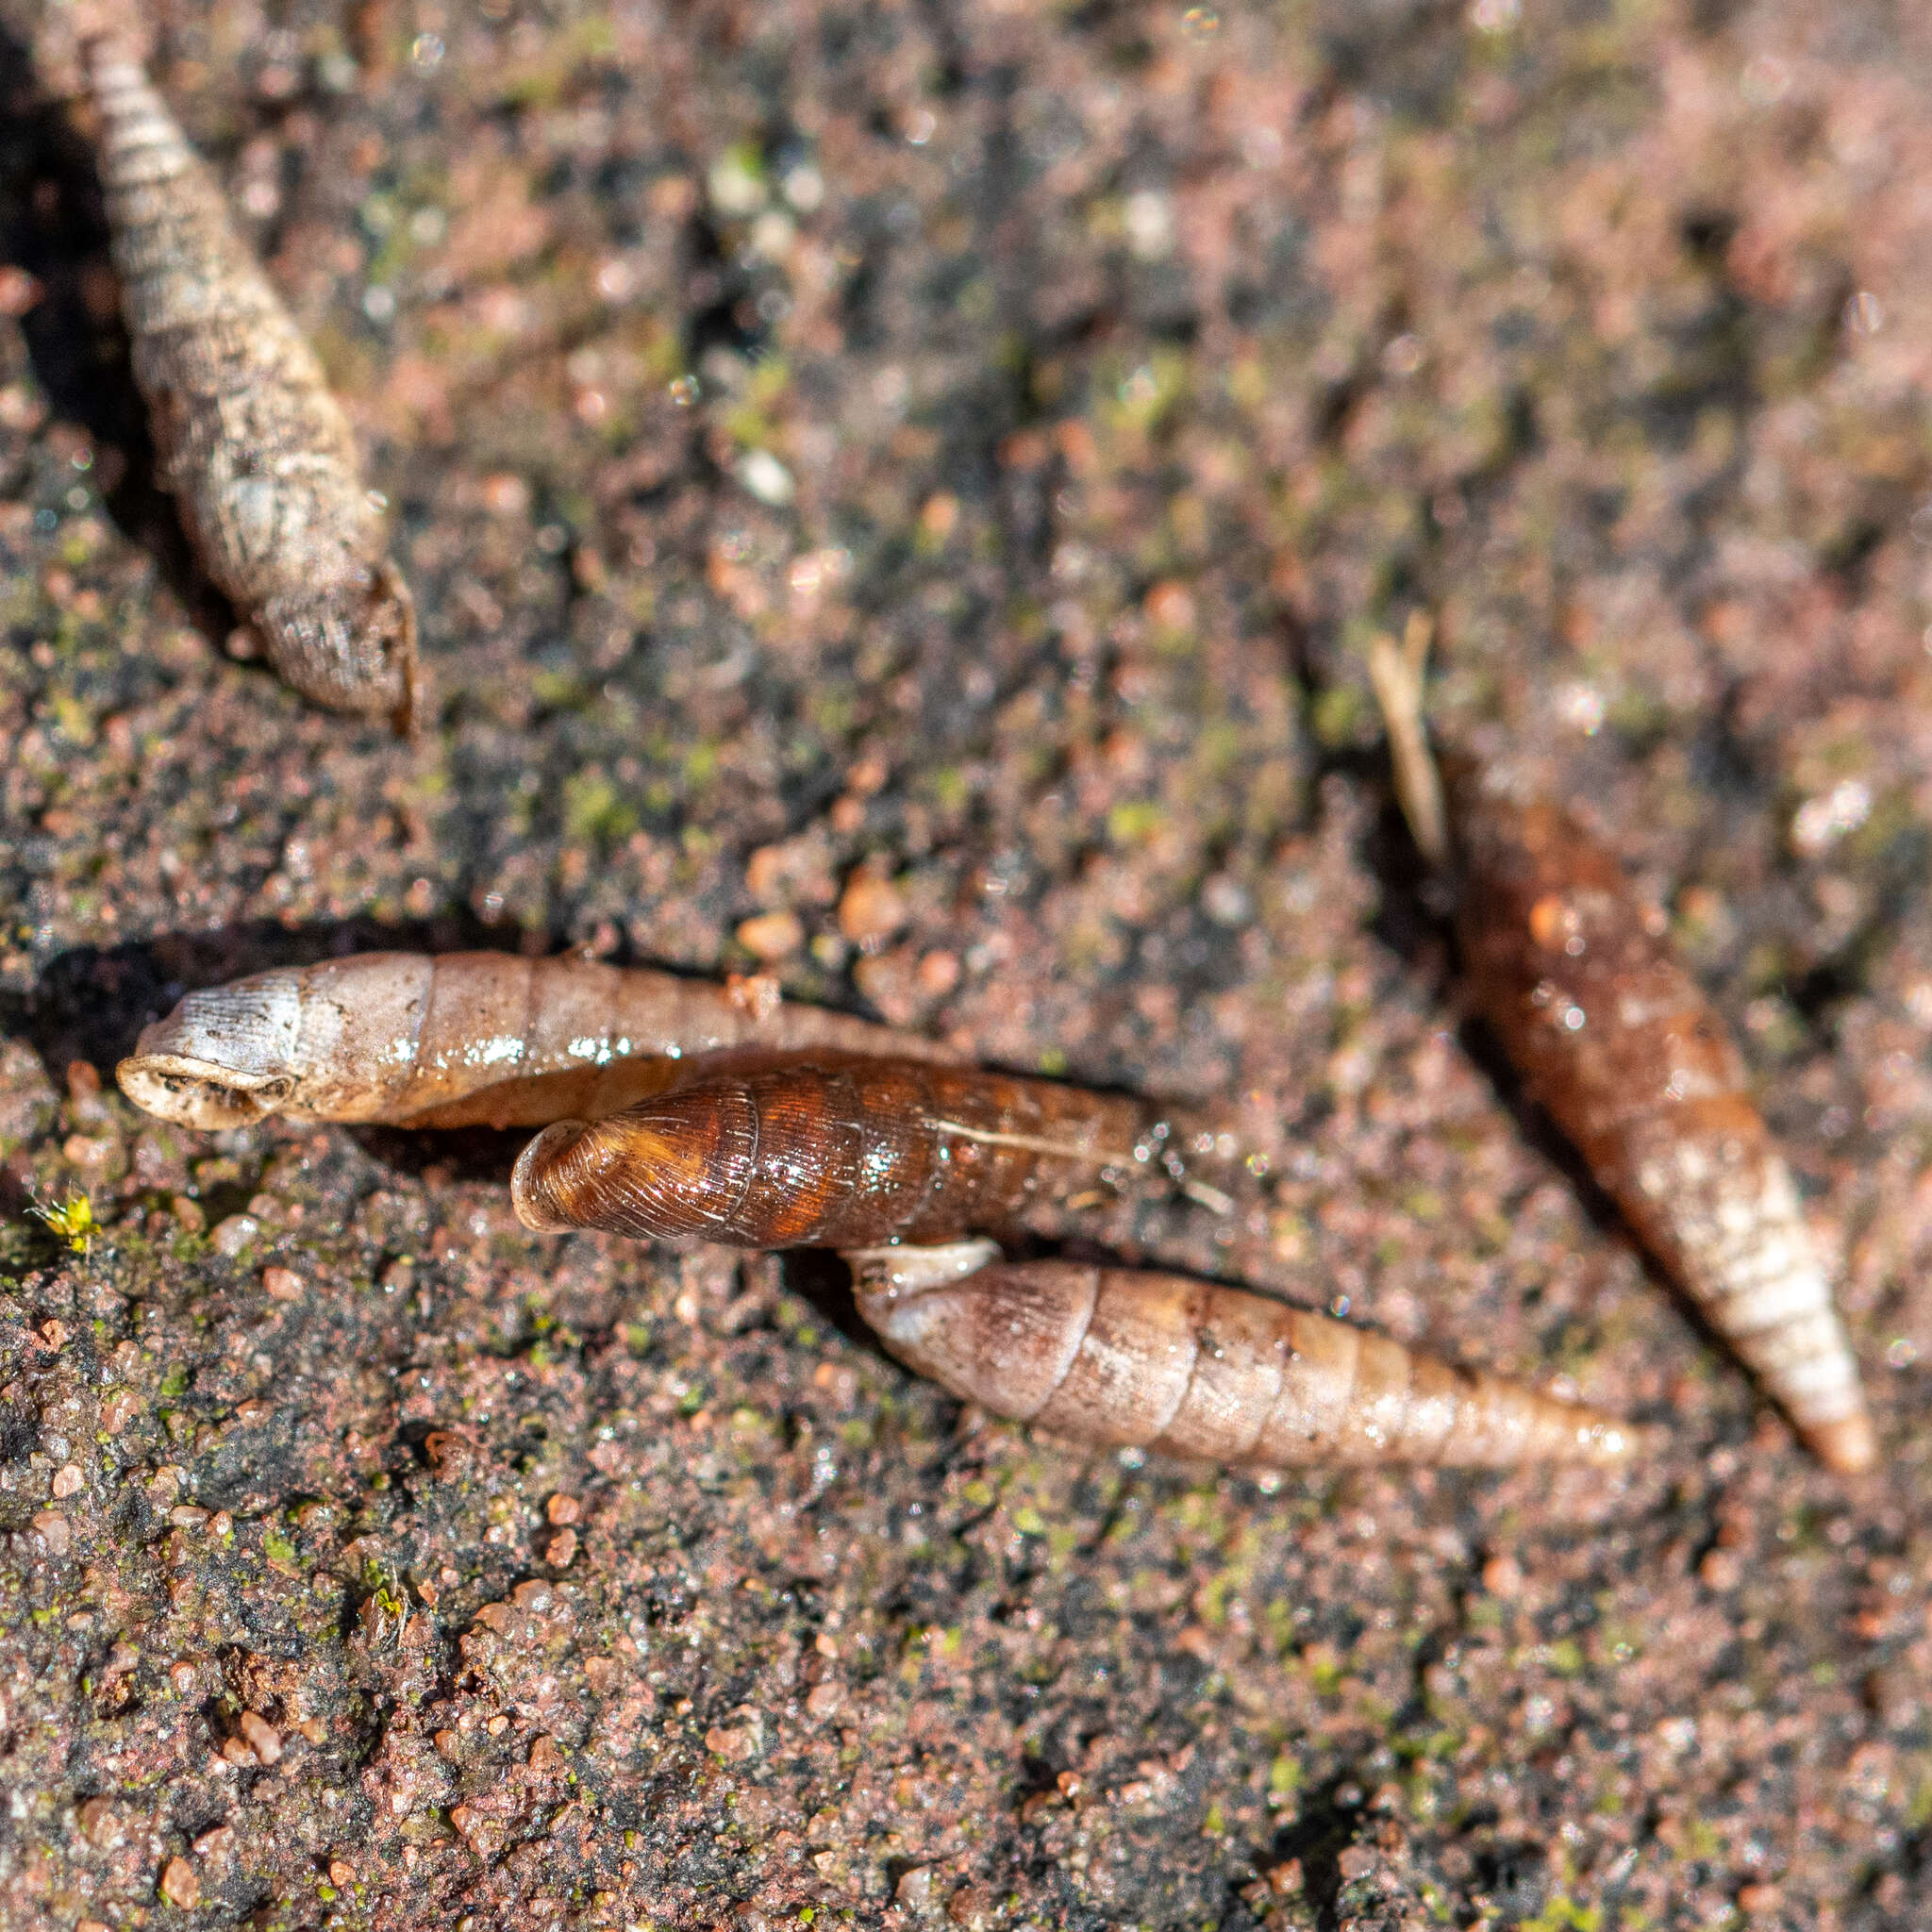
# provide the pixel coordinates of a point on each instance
(1072, 388)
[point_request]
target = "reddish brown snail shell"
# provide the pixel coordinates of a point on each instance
(1621, 1048)
(840, 1152)
(1620, 1045)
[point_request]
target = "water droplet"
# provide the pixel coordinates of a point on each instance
(1864, 313)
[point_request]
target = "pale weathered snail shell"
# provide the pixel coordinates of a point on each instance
(460, 1039)
(1116, 1357)
(256, 452)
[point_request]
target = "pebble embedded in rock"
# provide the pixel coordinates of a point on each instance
(181, 1886)
(772, 936)
(231, 1236)
(870, 910)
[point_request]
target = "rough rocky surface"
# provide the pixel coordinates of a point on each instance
(896, 493)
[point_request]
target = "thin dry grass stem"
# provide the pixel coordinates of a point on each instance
(1397, 672)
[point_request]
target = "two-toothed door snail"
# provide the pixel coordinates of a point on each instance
(1120, 1357)
(257, 453)
(455, 1039)
(762, 1125)
(1623, 1050)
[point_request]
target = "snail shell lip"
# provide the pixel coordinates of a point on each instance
(225, 1056)
(198, 1093)
(534, 1182)
(887, 1275)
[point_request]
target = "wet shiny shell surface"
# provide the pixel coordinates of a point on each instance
(834, 1153)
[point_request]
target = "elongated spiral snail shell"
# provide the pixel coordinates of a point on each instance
(1114, 1358)
(460, 1039)
(1619, 1047)
(258, 454)
(838, 1154)
(764, 1129)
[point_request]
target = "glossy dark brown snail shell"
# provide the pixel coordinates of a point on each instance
(830, 1153)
